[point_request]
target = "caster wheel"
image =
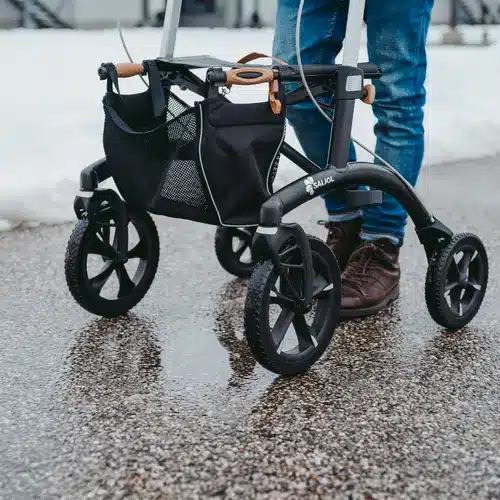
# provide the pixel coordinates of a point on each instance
(104, 281)
(456, 281)
(232, 247)
(282, 340)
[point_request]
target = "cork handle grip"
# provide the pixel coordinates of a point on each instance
(368, 94)
(249, 76)
(126, 70)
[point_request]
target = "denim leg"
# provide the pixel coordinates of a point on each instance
(397, 33)
(322, 32)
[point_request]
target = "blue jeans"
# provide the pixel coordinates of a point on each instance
(397, 32)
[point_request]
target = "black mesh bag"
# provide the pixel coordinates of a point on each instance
(214, 162)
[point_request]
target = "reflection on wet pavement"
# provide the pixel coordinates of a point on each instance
(168, 402)
(228, 328)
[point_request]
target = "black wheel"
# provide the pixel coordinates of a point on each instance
(103, 280)
(456, 281)
(292, 343)
(233, 250)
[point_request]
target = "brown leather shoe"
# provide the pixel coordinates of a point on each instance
(343, 238)
(371, 279)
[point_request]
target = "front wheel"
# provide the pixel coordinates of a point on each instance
(104, 280)
(283, 340)
(456, 281)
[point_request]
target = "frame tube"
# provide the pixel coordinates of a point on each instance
(170, 27)
(359, 173)
(340, 137)
(301, 161)
(349, 83)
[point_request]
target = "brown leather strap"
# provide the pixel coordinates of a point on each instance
(252, 57)
(257, 55)
(273, 97)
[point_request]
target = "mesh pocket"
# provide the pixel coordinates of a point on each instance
(183, 191)
(154, 160)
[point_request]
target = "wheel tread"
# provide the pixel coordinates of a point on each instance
(253, 320)
(252, 312)
(225, 256)
(76, 286)
(433, 299)
(71, 262)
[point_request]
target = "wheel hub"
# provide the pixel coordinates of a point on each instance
(304, 308)
(120, 258)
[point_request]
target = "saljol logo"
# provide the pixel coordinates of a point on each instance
(311, 186)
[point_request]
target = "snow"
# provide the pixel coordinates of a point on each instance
(52, 116)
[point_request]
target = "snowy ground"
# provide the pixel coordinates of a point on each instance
(51, 114)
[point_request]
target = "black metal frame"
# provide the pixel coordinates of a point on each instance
(339, 175)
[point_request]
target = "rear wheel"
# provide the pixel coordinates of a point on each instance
(456, 281)
(233, 249)
(107, 281)
(283, 340)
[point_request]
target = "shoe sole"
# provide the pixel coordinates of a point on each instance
(368, 311)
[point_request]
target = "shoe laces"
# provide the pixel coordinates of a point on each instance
(357, 272)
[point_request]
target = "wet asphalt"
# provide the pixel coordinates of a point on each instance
(169, 403)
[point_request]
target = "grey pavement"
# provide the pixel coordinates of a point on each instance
(168, 402)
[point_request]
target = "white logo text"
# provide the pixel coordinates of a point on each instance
(311, 186)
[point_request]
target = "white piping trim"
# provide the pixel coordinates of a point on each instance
(274, 158)
(330, 148)
(85, 194)
(266, 230)
(328, 287)
(201, 163)
(205, 176)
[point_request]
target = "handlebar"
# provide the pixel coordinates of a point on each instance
(123, 70)
(252, 75)
(249, 76)
(284, 73)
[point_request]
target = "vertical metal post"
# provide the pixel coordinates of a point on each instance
(340, 140)
(338, 154)
(170, 27)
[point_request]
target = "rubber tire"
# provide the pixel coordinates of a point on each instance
(434, 285)
(255, 315)
(225, 255)
(75, 272)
